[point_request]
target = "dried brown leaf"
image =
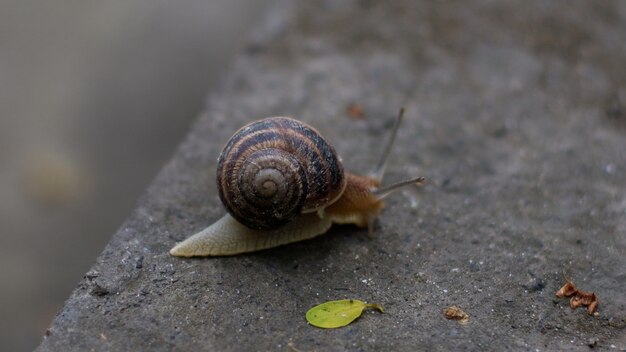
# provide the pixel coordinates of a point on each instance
(456, 313)
(355, 111)
(578, 298)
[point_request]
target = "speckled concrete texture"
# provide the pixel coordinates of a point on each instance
(516, 114)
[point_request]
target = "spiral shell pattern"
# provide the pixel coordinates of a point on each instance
(274, 169)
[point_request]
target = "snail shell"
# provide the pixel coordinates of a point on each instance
(275, 169)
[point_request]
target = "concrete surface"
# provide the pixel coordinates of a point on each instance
(516, 115)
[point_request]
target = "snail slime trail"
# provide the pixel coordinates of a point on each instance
(282, 182)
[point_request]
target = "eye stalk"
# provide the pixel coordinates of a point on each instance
(379, 172)
(382, 165)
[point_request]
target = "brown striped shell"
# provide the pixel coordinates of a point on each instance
(274, 169)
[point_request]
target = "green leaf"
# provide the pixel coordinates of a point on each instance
(335, 314)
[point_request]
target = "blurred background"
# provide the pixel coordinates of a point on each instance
(94, 98)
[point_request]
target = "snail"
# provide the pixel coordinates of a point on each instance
(282, 182)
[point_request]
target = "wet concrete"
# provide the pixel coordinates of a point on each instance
(516, 115)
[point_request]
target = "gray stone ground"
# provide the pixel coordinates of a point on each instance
(516, 115)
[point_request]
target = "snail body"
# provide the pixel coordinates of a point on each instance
(282, 182)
